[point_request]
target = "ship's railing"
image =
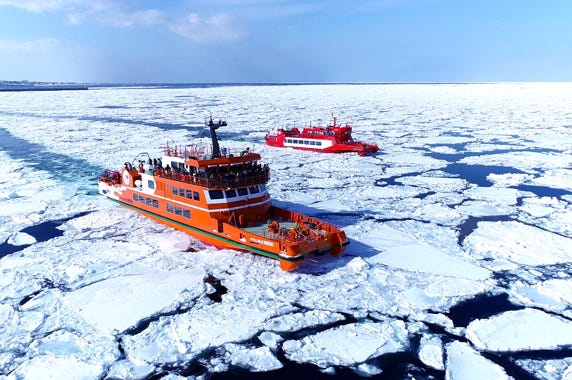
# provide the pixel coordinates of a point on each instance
(221, 182)
(198, 152)
(292, 227)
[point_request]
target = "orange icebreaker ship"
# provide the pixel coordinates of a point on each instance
(221, 199)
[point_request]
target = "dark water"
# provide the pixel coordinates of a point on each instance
(480, 307)
(544, 191)
(41, 232)
(471, 223)
(60, 166)
(477, 174)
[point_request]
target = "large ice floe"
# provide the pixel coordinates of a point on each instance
(459, 266)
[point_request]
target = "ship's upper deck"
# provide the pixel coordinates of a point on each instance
(194, 165)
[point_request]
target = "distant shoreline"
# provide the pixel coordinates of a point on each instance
(11, 87)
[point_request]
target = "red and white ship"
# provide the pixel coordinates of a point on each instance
(331, 139)
(220, 198)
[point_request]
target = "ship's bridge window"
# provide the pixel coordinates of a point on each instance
(242, 191)
(151, 184)
(178, 165)
(216, 194)
(262, 188)
(196, 196)
(231, 193)
(189, 194)
(253, 189)
(175, 190)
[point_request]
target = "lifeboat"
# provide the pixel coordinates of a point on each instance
(220, 198)
(332, 138)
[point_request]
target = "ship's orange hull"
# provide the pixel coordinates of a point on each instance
(254, 237)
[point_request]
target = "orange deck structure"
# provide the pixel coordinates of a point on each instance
(222, 200)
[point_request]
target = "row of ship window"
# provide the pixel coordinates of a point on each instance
(190, 194)
(155, 203)
(232, 193)
(217, 194)
(304, 142)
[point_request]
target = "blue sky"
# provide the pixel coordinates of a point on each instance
(286, 41)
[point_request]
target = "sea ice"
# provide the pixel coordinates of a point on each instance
(348, 344)
(21, 238)
(298, 321)
(54, 367)
(258, 359)
(524, 161)
(520, 330)
(431, 352)
(553, 295)
(116, 304)
(464, 363)
(513, 243)
(493, 195)
(121, 296)
(398, 250)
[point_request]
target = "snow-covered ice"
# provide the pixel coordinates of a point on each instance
(464, 362)
(518, 330)
(117, 303)
(348, 345)
(470, 196)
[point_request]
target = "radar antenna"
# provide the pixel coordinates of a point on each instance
(213, 127)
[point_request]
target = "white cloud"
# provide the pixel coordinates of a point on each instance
(41, 45)
(217, 28)
(148, 17)
(38, 6)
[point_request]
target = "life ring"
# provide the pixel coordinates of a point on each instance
(126, 177)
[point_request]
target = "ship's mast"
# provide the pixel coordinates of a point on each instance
(213, 127)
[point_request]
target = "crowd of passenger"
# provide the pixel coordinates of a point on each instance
(228, 175)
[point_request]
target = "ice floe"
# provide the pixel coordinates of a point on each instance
(463, 362)
(431, 352)
(520, 330)
(510, 244)
(348, 345)
(118, 303)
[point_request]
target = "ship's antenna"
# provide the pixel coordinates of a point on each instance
(213, 127)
